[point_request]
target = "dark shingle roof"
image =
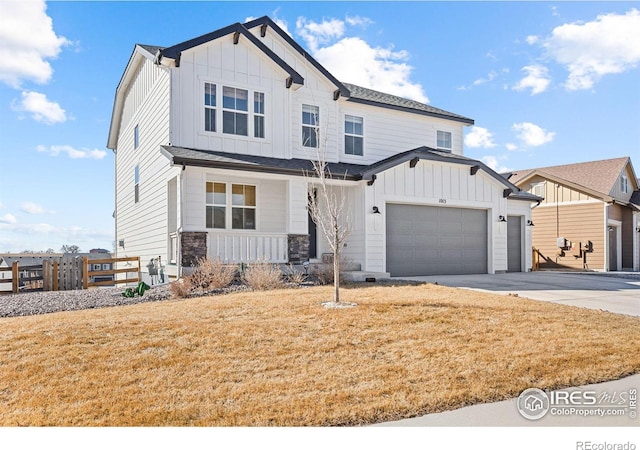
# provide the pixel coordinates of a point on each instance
(635, 199)
(353, 172)
(206, 158)
(361, 94)
(153, 49)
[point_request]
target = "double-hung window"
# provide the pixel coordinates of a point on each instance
(353, 135)
(216, 205)
(209, 107)
(235, 111)
(258, 114)
(538, 188)
(624, 184)
(136, 184)
(444, 140)
(310, 125)
(239, 198)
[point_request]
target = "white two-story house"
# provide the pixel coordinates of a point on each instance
(213, 137)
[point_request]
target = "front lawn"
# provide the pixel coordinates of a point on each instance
(278, 358)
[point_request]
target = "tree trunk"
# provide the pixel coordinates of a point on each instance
(336, 277)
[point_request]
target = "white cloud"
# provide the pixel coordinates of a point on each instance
(351, 59)
(537, 79)
(479, 137)
(72, 152)
(531, 135)
(358, 21)
(27, 41)
(34, 208)
(608, 45)
(8, 219)
(511, 147)
(315, 34)
(493, 163)
(532, 39)
(40, 108)
(1, 205)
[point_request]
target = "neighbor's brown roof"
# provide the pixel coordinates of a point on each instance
(599, 176)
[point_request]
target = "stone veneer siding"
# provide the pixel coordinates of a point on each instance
(193, 246)
(298, 248)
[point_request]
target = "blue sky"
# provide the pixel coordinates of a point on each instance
(546, 83)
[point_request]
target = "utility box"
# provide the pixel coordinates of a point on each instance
(561, 243)
(586, 246)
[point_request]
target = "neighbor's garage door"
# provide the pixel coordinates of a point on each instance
(431, 240)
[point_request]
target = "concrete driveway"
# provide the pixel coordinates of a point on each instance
(588, 290)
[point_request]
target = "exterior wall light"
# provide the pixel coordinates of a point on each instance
(501, 219)
(530, 223)
(376, 210)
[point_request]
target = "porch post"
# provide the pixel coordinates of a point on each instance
(297, 221)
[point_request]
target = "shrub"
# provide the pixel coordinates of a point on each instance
(263, 275)
(293, 276)
(211, 274)
(181, 288)
(324, 272)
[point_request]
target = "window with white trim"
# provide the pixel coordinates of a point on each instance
(353, 135)
(310, 126)
(209, 107)
(258, 114)
(136, 137)
(235, 111)
(444, 140)
(538, 188)
(243, 212)
(624, 184)
(216, 200)
(136, 184)
(239, 198)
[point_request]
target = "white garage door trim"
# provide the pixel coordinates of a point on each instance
(436, 240)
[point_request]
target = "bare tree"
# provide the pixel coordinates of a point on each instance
(70, 249)
(328, 209)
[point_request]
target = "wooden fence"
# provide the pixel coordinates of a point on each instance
(66, 274)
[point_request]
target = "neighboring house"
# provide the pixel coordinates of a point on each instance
(97, 254)
(594, 206)
(213, 136)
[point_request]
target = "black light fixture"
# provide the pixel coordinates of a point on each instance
(530, 223)
(638, 229)
(501, 219)
(610, 228)
(376, 210)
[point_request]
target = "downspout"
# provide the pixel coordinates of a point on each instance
(636, 241)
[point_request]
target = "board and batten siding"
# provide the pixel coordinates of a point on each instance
(435, 184)
(554, 192)
(239, 66)
(144, 225)
(578, 222)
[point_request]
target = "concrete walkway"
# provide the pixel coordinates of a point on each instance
(619, 294)
(588, 289)
(505, 413)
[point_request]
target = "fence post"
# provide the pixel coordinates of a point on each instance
(55, 275)
(46, 275)
(15, 275)
(85, 272)
(139, 270)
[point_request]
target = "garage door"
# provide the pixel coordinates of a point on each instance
(431, 240)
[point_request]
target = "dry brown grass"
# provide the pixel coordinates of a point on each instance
(278, 358)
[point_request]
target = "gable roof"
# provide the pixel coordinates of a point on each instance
(367, 96)
(595, 176)
(352, 172)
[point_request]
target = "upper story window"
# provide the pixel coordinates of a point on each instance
(258, 114)
(239, 198)
(624, 184)
(136, 137)
(444, 140)
(235, 111)
(136, 184)
(538, 189)
(209, 107)
(310, 125)
(353, 135)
